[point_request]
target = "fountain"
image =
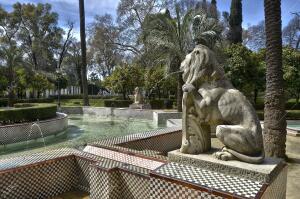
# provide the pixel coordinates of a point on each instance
(36, 124)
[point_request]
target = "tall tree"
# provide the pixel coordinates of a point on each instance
(103, 53)
(10, 52)
(83, 54)
(204, 5)
(171, 38)
(39, 35)
(235, 22)
(213, 10)
(274, 112)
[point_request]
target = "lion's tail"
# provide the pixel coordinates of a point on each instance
(246, 158)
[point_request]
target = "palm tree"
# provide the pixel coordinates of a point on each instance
(83, 54)
(274, 116)
(172, 38)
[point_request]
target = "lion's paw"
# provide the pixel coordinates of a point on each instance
(224, 155)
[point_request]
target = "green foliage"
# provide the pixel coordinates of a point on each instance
(291, 68)
(171, 38)
(117, 103)
(124, 79)
(158, 82)
(61, 81)
(244, 69)
(40, 82)
(4, 101)
(39, 35)
(27, 113)
(291, 114)
(206, 30)
(162, 103)
(157, 104)
(3, 82)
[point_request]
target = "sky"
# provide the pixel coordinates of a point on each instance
(253, 11)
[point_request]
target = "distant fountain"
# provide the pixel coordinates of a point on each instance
(139, 100)
(36, 124)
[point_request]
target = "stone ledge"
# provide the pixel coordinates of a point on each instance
(161, 117)
(265, 172)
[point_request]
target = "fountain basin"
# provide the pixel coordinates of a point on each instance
(21, 132)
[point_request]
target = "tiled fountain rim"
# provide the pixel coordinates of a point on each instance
(59, 116)
(137, 136)
(14, 165)
(25, 131)
(20, 161)
(186, 176)
(117, 143)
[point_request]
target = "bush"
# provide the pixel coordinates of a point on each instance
(80, 97)
(4, 101)
(27, 113)
(117, 103)
(288, 106)
(161, 104)
(24, 105)
(291, 115)
(157, 104)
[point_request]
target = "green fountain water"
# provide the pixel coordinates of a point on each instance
(82, 129)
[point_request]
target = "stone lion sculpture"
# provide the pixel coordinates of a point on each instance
(210, 100)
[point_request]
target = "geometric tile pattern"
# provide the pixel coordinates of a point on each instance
(10, 163)
(123, 172)
(217, 181)
(25, 131)
(124, 158)
(277, 189)
(83, 173)
(104, 184)
(133, 186)
(117, 184)
(161, 189)
(145, 143)
(170, 142)
(39, 181)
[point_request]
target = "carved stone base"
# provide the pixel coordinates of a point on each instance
(140, 106)
(265, 172)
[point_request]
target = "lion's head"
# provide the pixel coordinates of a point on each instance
(201, 66)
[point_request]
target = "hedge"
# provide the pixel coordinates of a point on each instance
(90, 97)
(4, 101)
(288, 106)
(117, 103)
(27, 113)
(162, 104)
(291, 115)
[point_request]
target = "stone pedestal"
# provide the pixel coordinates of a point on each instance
(272, 173)
(140, 106)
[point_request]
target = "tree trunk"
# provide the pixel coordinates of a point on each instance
(274, 112)
(255, 95)
(11, 93)
(11, 97)
(179, 92)
(83, 54)
(235, 22)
